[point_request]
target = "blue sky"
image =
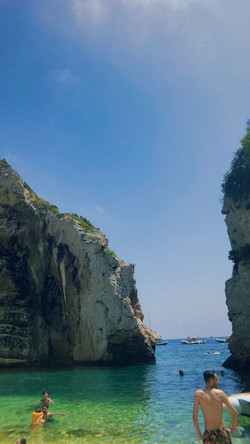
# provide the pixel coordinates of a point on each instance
(129, 113)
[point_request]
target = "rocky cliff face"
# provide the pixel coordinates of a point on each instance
(238, 287)
(64, 297)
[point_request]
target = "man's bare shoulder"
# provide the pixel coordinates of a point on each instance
(219, 393)
(202, 392)
(199, 393)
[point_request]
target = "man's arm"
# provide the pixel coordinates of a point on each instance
(232, 411)
(61, 414)
(195, 415)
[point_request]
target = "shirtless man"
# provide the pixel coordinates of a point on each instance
(47, 414)
(211, 400)
(45, 399)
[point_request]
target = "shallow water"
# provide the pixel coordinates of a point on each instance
(135, 404)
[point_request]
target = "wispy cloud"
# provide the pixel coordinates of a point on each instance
(96, 11)
(160, 43)
(65, 76)
(100, 209)
(202, 38)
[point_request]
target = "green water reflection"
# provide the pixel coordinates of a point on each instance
(104, 404)
(136, 404)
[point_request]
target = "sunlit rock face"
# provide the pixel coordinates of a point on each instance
(238, 287)
(64, 297)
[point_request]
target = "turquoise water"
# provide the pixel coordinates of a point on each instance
(135, 404)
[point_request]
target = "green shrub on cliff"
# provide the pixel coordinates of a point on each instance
(236, 183)
(4, 163)
(53, 208)
(85, 223)
(40, 202)
(109, 252)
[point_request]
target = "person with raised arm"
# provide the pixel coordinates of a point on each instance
(48, 415)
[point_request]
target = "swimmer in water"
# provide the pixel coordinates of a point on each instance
(37, 417)
(45, 399)
(48, 415)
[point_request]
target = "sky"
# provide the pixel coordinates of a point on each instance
(128, 113)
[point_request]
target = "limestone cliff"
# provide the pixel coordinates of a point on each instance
(64, 296)
(236, 207)
(238, 287)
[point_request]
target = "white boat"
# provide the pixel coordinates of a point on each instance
(195, 340)
(241, 402)
(222, 339)
(160, 342)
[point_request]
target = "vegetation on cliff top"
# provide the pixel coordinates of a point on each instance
(109, 252)
(236, 183)
(85, 223)
(45, 205)
(52, 208)
(40, 202)
(4, 163)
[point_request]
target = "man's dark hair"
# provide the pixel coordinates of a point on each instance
(208, 374)
(45, 405)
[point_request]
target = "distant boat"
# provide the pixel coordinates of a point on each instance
(160, 342)
(222, 339)
(195, 340)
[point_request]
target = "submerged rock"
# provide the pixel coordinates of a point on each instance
(64, 296)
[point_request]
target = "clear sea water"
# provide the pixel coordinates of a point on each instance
(135, 404)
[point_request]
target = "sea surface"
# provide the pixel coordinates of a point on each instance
(135, 404)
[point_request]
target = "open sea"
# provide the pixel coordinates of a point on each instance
(136, 404)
